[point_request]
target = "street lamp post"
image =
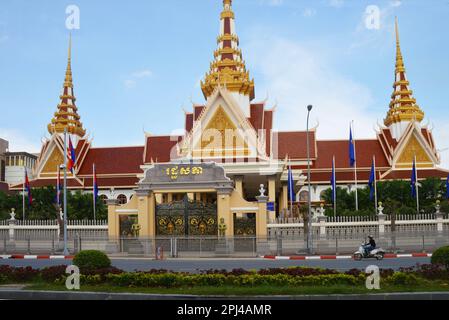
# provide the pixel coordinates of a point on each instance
(66, 251)
(309, 233)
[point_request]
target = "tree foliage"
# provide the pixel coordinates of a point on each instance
(396, 195)
(79, 206)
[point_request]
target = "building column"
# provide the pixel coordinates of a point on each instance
(146, 214)
(284, 198)
(224, 212)
(113, 219)
(261, 219)
(198, 196)
(191, 196)
(169, 197)
(238, 181)
(272, 197)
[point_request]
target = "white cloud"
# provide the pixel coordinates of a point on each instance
(336, 3)
(134, 78)
(272, 3)
(297, 76)
(309, 12)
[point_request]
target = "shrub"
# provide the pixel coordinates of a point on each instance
(91, 260)
(432, 272)
(403, 279)
(171, 280)
(441, 257)
(51, 274)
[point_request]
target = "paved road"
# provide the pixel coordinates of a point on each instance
(229, 264)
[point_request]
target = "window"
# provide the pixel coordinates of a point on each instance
(122, 199)
(103, 198)
(304, 196)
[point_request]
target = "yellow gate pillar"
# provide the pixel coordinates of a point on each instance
(146, 207)
(261, 219)
(113, 219)
(224, 212)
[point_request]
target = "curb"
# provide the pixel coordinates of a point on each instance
(34, 257)
(96, 296)
(387, 256)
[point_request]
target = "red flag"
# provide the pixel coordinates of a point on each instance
(71, 157)
(28, 189)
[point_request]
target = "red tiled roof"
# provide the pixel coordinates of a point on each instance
(257, 115)
(112, 182)
(341, 177)
(293, 145)
(189, 122)
(113, 160)
(197, 111)
(365, 149)
(41, 183)
(159, 148)
(422, 174)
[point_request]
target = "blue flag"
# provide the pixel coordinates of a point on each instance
(351, 149)
(447, 187)
(291, 187)
(371, 183)
(333, 182)
(413, 180)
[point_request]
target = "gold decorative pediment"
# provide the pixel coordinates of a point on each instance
(412, 149)
(56, 159)
(221, 138)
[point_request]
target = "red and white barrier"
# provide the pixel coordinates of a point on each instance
(387, 256)
(34, 257)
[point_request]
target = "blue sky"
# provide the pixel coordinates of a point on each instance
(138, 63)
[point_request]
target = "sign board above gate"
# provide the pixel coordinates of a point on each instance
(186, 177)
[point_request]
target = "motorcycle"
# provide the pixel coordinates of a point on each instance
(377, 253)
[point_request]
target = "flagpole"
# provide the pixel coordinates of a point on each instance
(292, 191)
(93, 189)
(66, 252)
(416, 186)
(375, 183)
(23, 192)
(334, 187)
(355, 169)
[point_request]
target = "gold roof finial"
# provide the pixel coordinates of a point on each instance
(403, 105)
(66, 117)
(228, 68)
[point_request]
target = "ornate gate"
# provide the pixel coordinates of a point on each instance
(186, 218)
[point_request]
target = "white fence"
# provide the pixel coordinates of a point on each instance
(357, 227)
(50, 229)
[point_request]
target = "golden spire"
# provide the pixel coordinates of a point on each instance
(66, 116)
(403, 106)
(228, 68)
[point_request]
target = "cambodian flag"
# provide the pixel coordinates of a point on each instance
(351, 149)
(447, 187)
(71, 157)
(291, 187)
(28, 188)
(413, 180)
(95, 186)
(372, 181)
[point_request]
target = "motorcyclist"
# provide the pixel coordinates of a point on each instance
(370, 245)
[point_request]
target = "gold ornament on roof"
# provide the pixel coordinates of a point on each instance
(66, 117)
(403, 106)
(228, 68)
